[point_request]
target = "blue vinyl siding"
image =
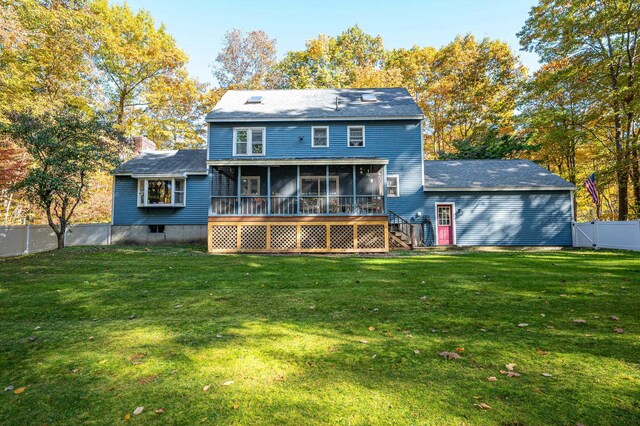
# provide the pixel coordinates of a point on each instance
(398, 141)
(524, 218)
(195, 212)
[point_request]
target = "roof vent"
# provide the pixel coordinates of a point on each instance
(369, 97)
(254, 99)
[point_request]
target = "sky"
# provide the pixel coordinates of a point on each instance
(199, 25)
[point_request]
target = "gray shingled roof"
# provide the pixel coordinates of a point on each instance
(166, 162)
(314, 104)
(489, 175)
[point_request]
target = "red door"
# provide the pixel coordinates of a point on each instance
(445, 225)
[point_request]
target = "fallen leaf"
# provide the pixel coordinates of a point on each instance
(541, 352)
(138, 410)
(160, 411)
(206, 388)
(547, 375)
(510, 366)
(523, 324)
(614, 318)
(228, 383)
(133, 316)
(510, 373)
(415, 351)
(127, 417)
(618, 330)
(179, 306)
(32, 338)
(148, 379)
(102, 361)
(8, 388)
(363, 341)
(37, 327)
(20, 390)
(75, 370)
(492, 379)
(449, 355)
(236, 406)
(580, 321)
(483, 406)
(90, 337)
(218, 336)
(459, 350)
(372, 328)
(137, 356)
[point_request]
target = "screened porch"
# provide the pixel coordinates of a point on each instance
(286, 190)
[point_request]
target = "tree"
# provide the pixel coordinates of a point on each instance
(245, 61)
(176, 109)
(65, 146)
(599, 41)
(131, 54)
(492, 145)
(44, 59)
(352, 58)
(469, 87)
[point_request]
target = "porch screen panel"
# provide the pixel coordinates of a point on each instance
(224, 190)
(369, 189)
(341, 190)
(313, 190)
(283, 190)
(253, 190)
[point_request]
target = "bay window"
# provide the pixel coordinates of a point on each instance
(161, 192)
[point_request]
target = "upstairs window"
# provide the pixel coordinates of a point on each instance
(249, 141)
(393, 186)
(355, 136)
(161, 192)
(319, 137)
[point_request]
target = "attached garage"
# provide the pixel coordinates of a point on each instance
(497, 203)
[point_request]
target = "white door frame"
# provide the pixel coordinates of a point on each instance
(453, 219)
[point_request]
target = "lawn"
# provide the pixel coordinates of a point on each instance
(93, 333)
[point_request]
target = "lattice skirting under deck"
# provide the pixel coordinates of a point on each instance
(303, 237)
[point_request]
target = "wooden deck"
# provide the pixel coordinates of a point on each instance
(298, 234)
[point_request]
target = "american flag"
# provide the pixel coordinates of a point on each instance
(590, 184)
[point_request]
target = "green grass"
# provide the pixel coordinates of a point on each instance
(292, 328)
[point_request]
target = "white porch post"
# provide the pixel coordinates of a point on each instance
(298, 189)
(326, 209)
(355, 202)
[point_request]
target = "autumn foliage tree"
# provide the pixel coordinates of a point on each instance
(597, 41)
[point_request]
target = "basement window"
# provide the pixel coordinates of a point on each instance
(156, 229)
(161, 192)
(254, 100)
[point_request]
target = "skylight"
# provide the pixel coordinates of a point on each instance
(369, 97)
(254, 99)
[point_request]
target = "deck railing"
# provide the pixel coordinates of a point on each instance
(288, 206)
(284, 205)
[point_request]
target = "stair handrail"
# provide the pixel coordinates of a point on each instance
(402, 225)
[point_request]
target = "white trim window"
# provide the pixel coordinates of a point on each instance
(393, 185)
(249, 141)
(319, 137)
(162, 192)
(355, 136)
(250, 186)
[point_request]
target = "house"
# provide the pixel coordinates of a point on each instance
(331, 171)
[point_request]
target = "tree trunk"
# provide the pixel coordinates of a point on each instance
(60, 240)
(622, 172)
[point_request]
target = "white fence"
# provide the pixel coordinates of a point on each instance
(610, 235)
(17, 240)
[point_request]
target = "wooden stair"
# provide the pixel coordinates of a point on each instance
(400, 232)
(399, 239)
